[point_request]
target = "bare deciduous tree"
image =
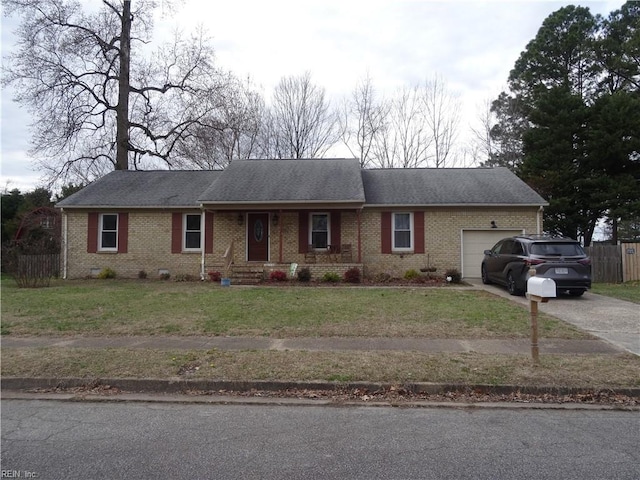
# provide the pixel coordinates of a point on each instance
(404, 140)
(300, 123)
(417, 127)
(363, 121)
(238, 117)
(482, 145)
(96, 103)
(442, 114)
(412, 138)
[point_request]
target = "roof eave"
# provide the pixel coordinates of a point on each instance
(127, 207)
(288, 203)
(418, 205)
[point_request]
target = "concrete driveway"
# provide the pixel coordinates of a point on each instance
(616, 321)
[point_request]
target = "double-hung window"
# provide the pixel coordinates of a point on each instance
(402, 232)
(319, 230)
(108, 235)
(192, 232)
(47, 222)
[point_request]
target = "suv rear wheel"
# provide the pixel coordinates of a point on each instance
(485, 276)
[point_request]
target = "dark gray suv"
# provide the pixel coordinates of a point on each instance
(561, 259)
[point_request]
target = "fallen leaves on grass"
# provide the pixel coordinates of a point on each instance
(400, 395)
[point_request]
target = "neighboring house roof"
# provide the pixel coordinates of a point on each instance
(315, 181)
(447, 186)
(287, 181)
(40, 218)
(135, 188)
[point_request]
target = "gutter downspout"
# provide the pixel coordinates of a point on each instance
(280, 239)
(359, 221)
(65, 244)
(539, 220)
(202, 242)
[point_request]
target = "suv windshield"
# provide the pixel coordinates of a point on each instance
(557, 249)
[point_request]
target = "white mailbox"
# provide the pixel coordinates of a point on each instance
(541, 287)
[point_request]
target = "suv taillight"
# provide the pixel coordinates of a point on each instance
(533, 261)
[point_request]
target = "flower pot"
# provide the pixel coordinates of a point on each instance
(225, 282)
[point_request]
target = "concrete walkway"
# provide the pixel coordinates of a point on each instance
(423, 345)
(615, 321)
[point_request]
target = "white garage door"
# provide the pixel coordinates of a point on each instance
(474, 243)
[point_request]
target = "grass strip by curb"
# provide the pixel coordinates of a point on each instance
(580, 371)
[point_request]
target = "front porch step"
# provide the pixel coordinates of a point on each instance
(246, 274)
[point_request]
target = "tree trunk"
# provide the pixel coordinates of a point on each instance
(122, 134)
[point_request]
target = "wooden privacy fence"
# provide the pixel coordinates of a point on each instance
(39, 266)
(615, 263)
(630, 261)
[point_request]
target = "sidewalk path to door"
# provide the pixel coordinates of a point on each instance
(613, 320)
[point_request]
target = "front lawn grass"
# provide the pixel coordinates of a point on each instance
(629, 291)
(129, 307)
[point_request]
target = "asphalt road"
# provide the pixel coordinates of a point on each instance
(62, 440)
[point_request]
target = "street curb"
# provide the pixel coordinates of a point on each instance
(305, 402)
(174, 386)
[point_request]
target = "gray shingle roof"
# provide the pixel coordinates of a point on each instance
(439, 186)
(287, 181)
(304, 181)
(133, 188)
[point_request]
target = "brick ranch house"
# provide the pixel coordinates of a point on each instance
(329, 215)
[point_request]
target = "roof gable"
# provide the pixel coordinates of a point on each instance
(288, 181)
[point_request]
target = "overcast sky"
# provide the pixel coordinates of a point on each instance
(472, 45)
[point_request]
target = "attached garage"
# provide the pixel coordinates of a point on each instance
(475, 242)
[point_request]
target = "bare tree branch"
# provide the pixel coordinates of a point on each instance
(70, 70)
(442, 113)
(363, 121)
(304, 122)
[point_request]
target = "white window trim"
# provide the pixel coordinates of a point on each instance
(311, 228)
(101, 230)
(47, 222)
(393, 233)
(184, 233)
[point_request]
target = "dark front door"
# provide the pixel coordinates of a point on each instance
(258, 237)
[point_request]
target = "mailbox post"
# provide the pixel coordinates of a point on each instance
(539, 289)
